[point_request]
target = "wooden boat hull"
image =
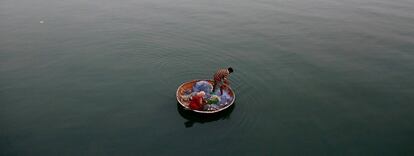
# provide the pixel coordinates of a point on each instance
(189, 85)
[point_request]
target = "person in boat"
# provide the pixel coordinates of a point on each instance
(221, 77)
(197, 101)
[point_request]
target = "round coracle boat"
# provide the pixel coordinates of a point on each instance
(186, 87)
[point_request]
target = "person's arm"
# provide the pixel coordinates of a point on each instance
(226, 81)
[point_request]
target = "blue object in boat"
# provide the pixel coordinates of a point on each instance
(202, 86)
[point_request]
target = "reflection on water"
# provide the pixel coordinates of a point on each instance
(194, 117)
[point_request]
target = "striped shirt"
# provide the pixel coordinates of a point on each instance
(221, 74)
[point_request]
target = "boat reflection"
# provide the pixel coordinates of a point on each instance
(201, 118)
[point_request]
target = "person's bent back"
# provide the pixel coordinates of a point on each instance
(221, 76)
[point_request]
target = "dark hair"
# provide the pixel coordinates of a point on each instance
(230, 69)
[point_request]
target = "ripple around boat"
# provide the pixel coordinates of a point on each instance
(189, 85)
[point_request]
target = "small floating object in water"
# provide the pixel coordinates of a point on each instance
(41, 22)
(183, 92)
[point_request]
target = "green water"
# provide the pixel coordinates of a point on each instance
(314, 77)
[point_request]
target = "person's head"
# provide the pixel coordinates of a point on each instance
(230, 69)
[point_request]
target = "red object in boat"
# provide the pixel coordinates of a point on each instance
(196, 103)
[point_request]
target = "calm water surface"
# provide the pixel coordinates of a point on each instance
(314, 77)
